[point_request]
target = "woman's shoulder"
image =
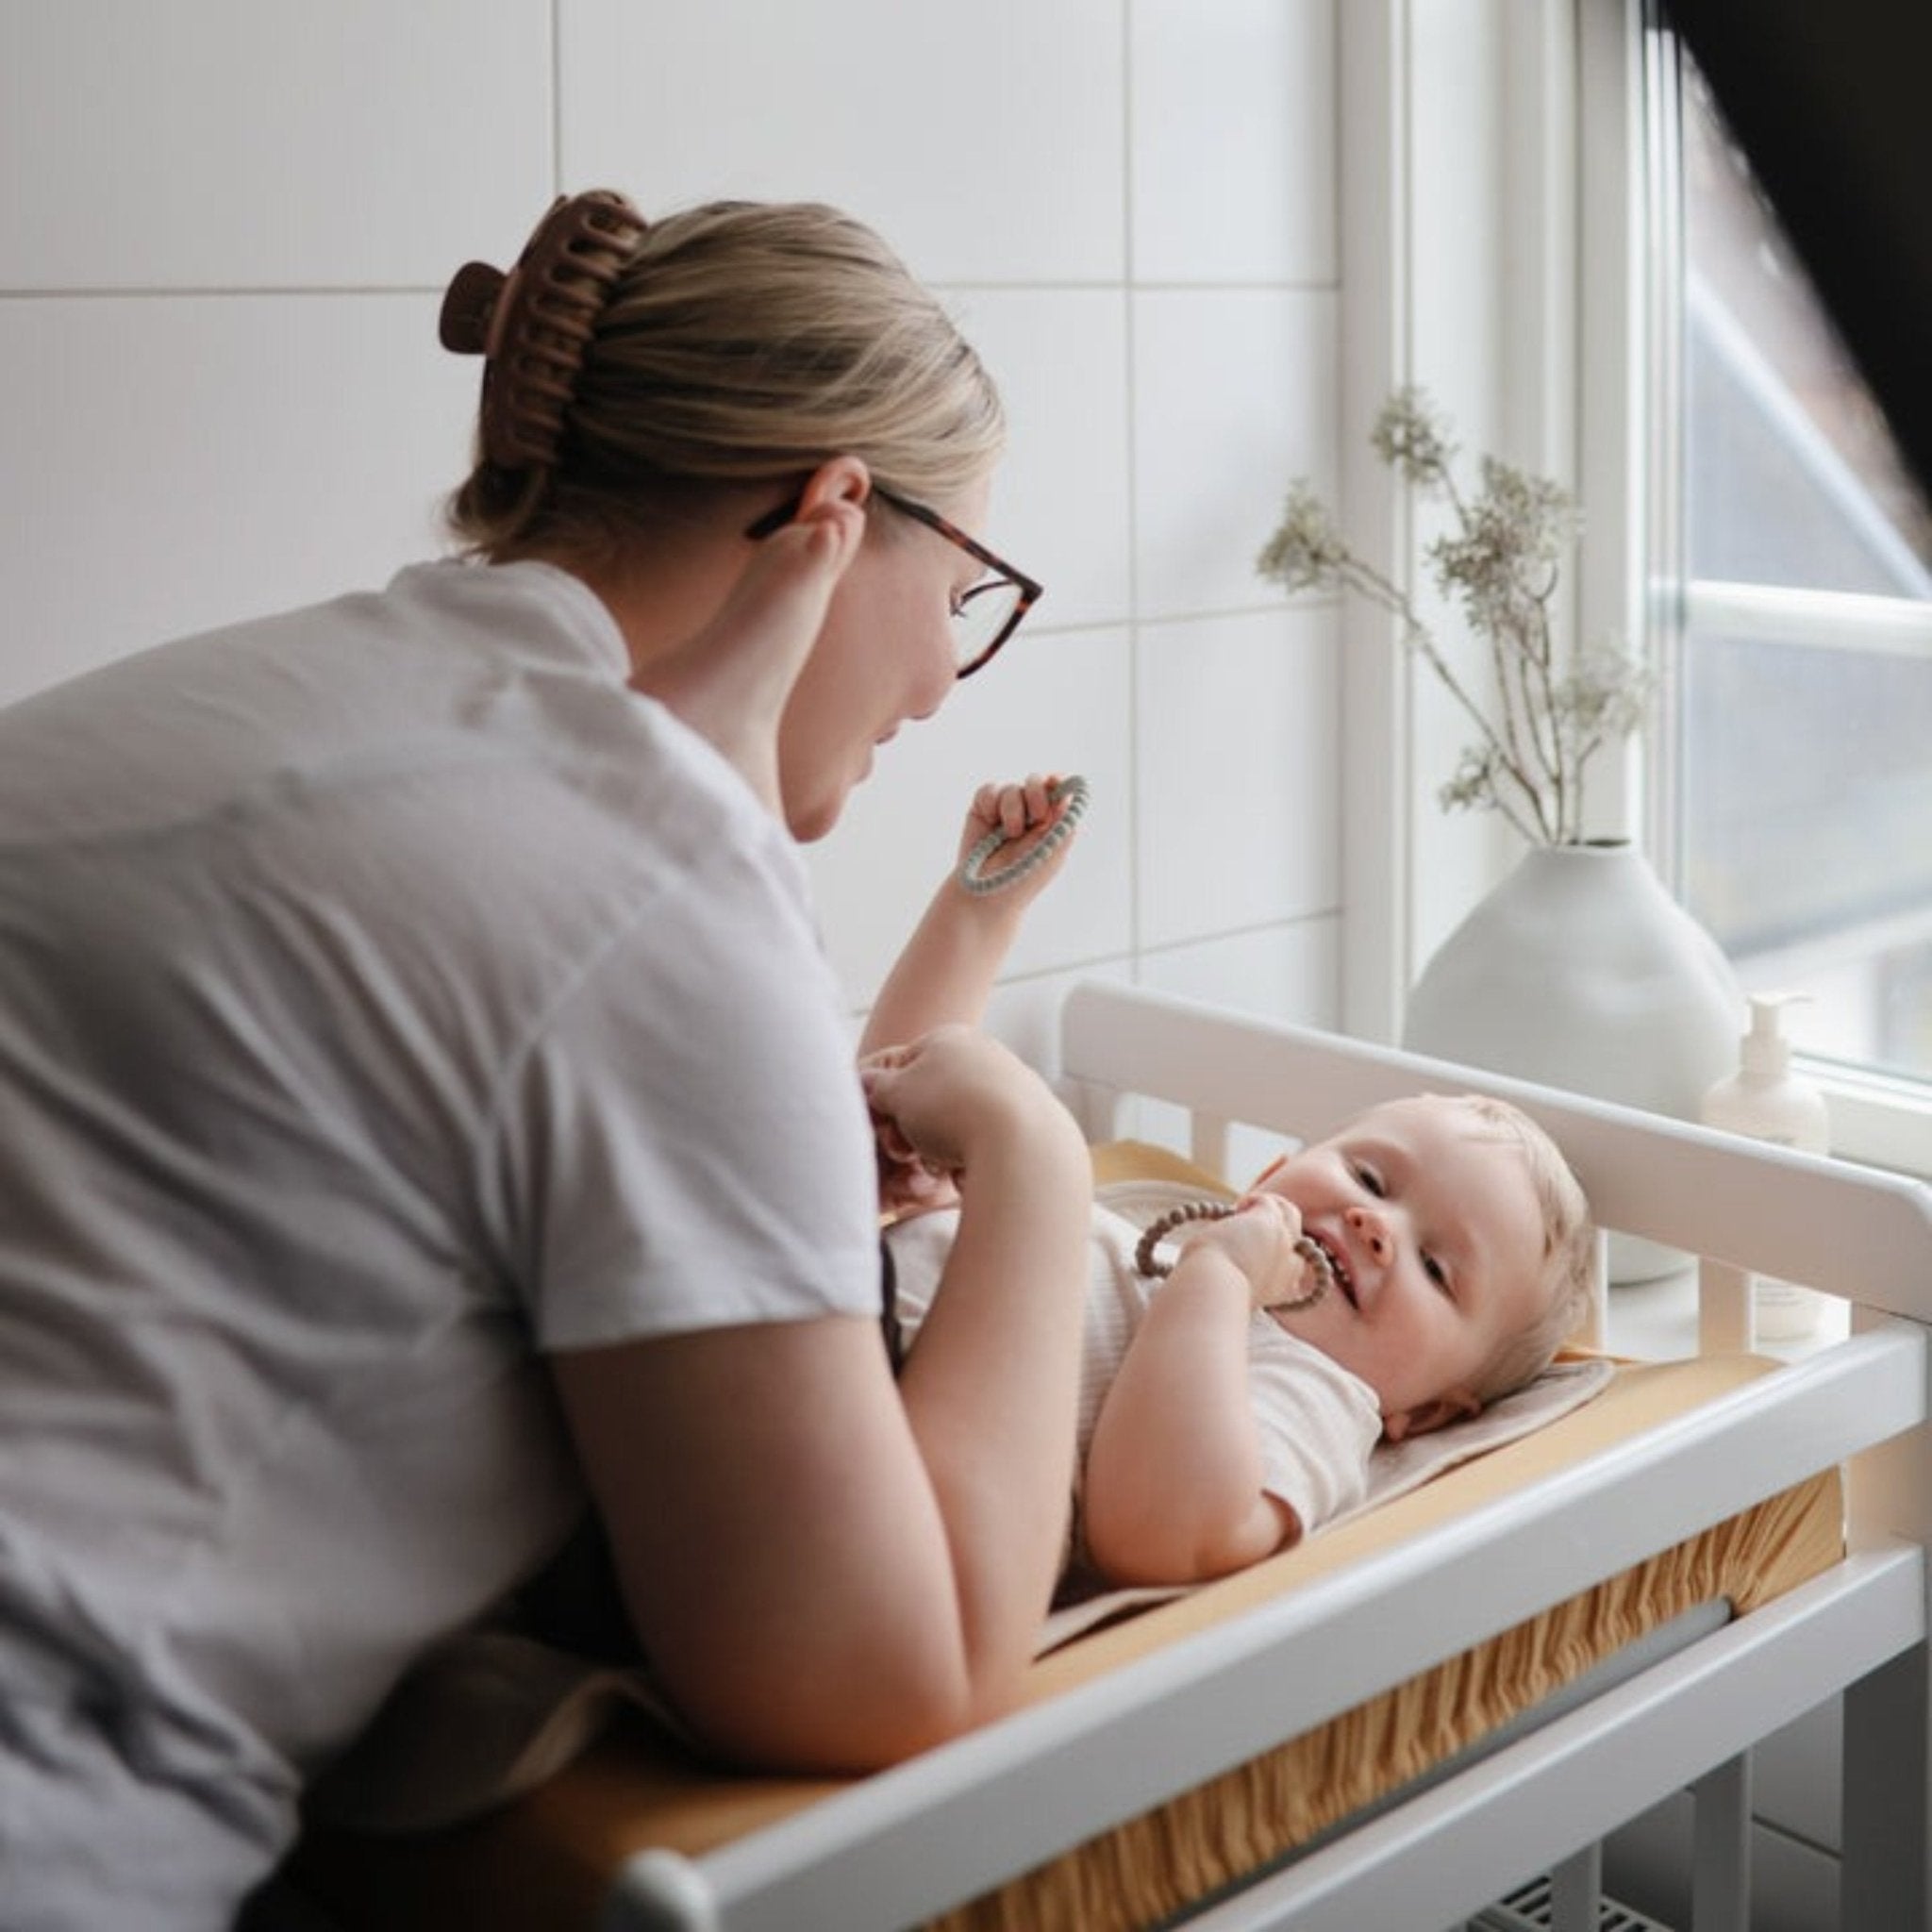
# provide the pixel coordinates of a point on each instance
(532, 609)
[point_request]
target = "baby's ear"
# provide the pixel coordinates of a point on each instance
(1457, 1407)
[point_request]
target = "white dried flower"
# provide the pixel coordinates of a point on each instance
(1306, 551)
(1473, 785)
(1412, 440)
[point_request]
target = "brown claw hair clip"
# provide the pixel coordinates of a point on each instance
(531, 326)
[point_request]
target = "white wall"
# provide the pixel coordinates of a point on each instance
(225, 225)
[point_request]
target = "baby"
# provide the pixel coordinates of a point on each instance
(1424, 1260)
(1224, 1414)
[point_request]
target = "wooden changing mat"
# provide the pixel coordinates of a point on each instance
(547, 1859)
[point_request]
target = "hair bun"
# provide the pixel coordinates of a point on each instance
(532, 326)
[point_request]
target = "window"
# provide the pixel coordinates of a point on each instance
(1791, 588)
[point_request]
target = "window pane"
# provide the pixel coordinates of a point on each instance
(1803, 686)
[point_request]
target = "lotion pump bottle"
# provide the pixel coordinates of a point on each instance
(1767, 1101)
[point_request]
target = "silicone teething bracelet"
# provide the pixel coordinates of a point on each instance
(1072, 794)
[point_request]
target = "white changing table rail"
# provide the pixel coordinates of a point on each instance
(958, 1820)
(1853, 1232)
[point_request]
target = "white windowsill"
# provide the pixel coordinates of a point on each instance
(1657, 1321)
(1880, 1120)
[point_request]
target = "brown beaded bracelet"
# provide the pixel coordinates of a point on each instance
(1153, 1269)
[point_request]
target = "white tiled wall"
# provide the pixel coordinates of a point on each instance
(225, 226)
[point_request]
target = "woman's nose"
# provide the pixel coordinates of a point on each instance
(1371, 1231)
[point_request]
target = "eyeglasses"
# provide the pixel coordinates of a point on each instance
(985, 615)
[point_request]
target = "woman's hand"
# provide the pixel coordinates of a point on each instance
(1260, 1239)
(937, 1102)
(908, 1182)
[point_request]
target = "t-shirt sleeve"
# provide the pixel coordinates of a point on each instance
(1318, 1424)
(687, 1146)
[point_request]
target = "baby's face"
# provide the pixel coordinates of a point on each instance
(1429, 1215)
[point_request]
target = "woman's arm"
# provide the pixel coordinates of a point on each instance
(829, 1570)
(1172, 1486)
(946, 972)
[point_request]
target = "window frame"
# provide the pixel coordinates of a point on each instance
(1457, 154)
(1629, 267)
(1560, 283)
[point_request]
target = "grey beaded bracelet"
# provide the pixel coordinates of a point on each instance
(1070, 792)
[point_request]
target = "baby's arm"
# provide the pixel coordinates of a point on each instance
(947, 973)
(1173, 1491)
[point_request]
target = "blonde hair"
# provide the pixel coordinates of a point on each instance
(741, 344)
(1569, 1257)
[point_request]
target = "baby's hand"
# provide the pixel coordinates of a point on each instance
(1021, 813)
(1259, 1238)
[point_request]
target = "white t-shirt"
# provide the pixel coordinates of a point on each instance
(1317, 1421)
(387, 994)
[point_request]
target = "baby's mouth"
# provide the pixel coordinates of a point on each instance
(1337, 1268)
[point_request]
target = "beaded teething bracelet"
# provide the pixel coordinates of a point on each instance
(1070, 792)
(1146, 1264)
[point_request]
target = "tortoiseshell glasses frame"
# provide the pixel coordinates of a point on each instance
(986, 615)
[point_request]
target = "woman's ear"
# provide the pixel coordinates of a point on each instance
(838, 480)
(1457, 1407)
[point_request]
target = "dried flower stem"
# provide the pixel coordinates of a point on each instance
(1501, 562)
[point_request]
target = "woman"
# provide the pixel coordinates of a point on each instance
(427, 1103)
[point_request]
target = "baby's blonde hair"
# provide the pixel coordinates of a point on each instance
(1569, 1257)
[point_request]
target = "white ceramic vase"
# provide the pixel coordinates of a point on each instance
(1580, 970)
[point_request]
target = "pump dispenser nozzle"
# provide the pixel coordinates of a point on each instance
(1766, 1053)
